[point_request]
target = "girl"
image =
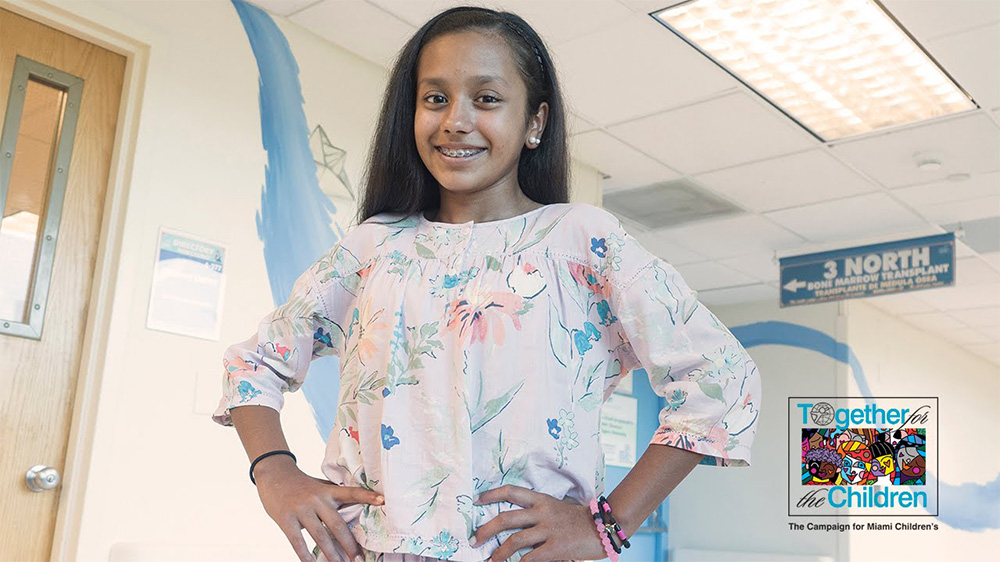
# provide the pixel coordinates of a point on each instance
(481, 321)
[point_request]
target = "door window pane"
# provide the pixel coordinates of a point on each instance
(27, 195)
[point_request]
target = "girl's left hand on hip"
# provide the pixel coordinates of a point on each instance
(554, 529)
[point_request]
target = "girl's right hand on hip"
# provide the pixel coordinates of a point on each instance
(298, 501)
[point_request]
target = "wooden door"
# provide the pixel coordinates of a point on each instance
(38, 377)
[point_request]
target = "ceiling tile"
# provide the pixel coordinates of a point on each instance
(933, 18)
(975, 271)
(958, 211)
(576, 124)
(993, 259)
(966, 336)
(900, 303)
(846, 219)
(958, 297)
(664, 249)
(969, 143)
(283, 7)
(555, 22)
(787, 181)
(892, 236)
(712, 275)
(738, 295)
(359, 27)
(985, 317)
(722, 132)
(417, 12)
(635, 68)
(991, 332)
(979, 74)
(934, 322)
(626, 166)
(730, 237)
(962, 250)
(647, 6)
(990, 351)
(759, 266)
(945, 191)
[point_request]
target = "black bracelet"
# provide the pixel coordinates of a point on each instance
(264, 456)
(614, 529)
(603, 517)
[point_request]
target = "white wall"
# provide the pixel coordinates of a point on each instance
(901, 360)
(731, 514)
(744, 510)
(162, 472)
(166, 483)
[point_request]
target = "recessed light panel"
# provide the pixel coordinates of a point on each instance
(838, 67)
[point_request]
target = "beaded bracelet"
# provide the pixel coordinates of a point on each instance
(609, 524)
(602, 502)
(602, 532)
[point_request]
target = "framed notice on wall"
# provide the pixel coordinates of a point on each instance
(188, 285)
(618, 423)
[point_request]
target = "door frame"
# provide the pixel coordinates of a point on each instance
(92, 359)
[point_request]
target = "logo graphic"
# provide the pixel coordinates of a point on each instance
(862, 456)
(822, 413)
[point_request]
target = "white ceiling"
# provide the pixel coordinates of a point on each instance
(647, 108)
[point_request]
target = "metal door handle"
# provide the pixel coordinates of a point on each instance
(40, 478)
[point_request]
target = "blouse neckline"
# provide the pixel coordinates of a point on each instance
(424, 220)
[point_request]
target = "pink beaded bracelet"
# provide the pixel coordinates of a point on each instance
(602, 531)
(618, 530)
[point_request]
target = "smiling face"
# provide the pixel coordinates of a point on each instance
(470, 124)
(822, 470)
(883, 465)
(854, 469)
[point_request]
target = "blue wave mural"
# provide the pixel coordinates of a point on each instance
(295, 215)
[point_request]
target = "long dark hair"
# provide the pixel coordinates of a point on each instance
(396, 179)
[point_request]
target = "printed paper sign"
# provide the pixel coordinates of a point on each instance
(618, 421)
(188, 285)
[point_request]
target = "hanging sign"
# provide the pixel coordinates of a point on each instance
(866, 271)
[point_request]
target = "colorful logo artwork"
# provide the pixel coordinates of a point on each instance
(862, 456)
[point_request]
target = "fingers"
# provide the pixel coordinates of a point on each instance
(523, 539)
(323, 539)
(544, 553)
(336, 526)
(510, 493)
(293, 532)
(346, 495)
(514, 519)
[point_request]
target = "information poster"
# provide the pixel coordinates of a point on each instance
(618, 421)
(188, 285)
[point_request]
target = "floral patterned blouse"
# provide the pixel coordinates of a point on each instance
(474, 355)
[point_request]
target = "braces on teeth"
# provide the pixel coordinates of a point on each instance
(459, 153)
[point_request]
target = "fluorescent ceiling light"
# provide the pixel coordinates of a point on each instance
(838, 67)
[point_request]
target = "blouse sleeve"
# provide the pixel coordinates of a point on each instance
(276, 359)
(710, 383)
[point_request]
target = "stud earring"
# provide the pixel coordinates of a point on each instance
(534, 140)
